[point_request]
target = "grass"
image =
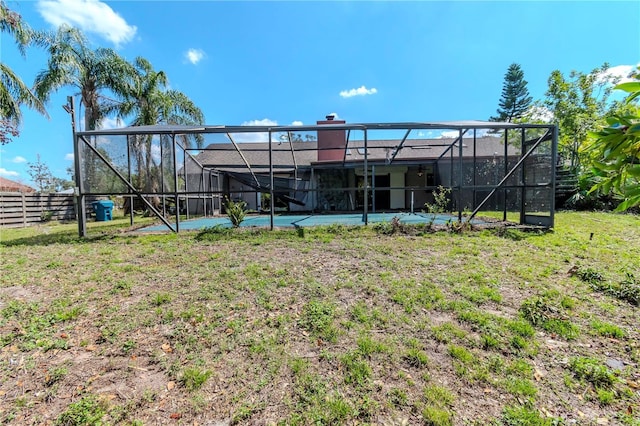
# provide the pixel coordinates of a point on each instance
(336, 325)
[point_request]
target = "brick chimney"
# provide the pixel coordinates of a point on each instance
(331, 143)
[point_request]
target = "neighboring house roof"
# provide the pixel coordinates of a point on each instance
(7, 185)
(224, 156)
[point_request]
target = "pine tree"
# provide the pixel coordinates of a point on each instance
(515, 99)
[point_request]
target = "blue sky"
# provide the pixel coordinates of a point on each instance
(295, 62)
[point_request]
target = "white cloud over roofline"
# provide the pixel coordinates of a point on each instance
(257, 136)
(360, 91)
(194, 55)
(91, 16)
(69, 156)
(8, 173)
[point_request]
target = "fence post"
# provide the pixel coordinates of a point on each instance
(24, 209)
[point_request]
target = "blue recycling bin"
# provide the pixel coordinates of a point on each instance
(103, 209)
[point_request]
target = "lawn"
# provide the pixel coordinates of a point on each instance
(333, 325)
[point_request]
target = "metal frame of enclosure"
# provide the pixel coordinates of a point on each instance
(159, 169)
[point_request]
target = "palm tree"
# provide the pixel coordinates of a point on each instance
(13, 91)
(73, 62)
(147, 101)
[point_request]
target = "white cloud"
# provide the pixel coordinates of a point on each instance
(257, 136)
(619, 73)
(110, 123)
(194, 55)
(450, 134)
(18, 159)
(297, 123)
(360, 91)
(69, 156)
(8, 173)
(335, 115)
(91, 16)
(263, 122)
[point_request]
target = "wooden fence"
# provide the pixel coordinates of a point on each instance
(23, 209)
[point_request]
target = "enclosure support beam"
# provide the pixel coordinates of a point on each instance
(271, 181)
(509, 174)
(460, 174)
(293, 156)
(475, 168)
(129, 197)
(245, 160)
(129, 185)
(365, 215)
(346, 147)
(506, 170)
(175, 180)
(399, 147)
(522, 177)
(554, 160)
(79, 193)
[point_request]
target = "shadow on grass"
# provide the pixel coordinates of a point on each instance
(64, 233)
(54, 238)
(519, 233)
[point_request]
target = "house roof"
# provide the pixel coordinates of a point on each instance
(7, 185)
(224, 156)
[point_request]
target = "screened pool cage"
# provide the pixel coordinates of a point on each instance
(177, 173)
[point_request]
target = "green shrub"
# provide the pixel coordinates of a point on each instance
(194, 378)
(592, 371)
(87, 411)
(236, 211)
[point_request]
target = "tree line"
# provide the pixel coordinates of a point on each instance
(599, 137)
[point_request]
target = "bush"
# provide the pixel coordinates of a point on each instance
(236, 211)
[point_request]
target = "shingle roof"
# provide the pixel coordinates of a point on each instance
(7, 185)
(224, 156)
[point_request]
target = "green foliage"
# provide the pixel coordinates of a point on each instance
(627, 290)
(416, 357)
(578, 103)
(608, 330)
(13, 91)
(524, 416)
(390, 228)
(434, 416)
(193, 378)
(160, 298)
(592, 371)
(236, 211)
(439, 399)
(546, 313)
(441, 200)
(87, 411)
(46, 216)
(616, 151)
(357, 371)
(515, 100)
(317, 317)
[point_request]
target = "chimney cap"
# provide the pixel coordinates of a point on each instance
(330, 117)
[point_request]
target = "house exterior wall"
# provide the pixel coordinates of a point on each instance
(397, 176)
